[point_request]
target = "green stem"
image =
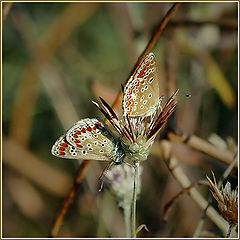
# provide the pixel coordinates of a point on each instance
(127, 215)
(134, 199)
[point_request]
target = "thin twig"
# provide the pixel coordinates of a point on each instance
(58, 221)
(202, 146)
(168, 206)
(159, 29)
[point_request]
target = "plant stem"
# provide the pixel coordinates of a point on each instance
(134, 199)
(127, 215)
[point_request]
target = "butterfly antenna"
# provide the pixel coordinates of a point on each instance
(101, 185)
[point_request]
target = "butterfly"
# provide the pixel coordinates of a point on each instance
(89, 139)
(141, 93)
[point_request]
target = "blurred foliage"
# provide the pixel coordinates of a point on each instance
(92, 48)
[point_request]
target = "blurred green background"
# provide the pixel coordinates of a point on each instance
(57, 57)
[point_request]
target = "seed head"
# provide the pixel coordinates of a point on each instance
(227, 200)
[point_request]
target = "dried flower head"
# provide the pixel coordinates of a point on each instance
(137, 133)
(120, 181)
(227, 200)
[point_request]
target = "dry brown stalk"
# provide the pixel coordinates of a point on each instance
(44, 50)
(202, 146)
(58, 221)
(73, 15)
(163, 150)
(27, 164)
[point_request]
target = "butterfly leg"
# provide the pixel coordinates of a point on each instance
(103, 175)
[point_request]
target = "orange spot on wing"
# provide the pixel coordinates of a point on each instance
(64, 144)
(142, 72)
(61, 153)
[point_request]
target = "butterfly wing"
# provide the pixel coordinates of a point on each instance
(92, 140)
(64, 149)
(141, 93)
